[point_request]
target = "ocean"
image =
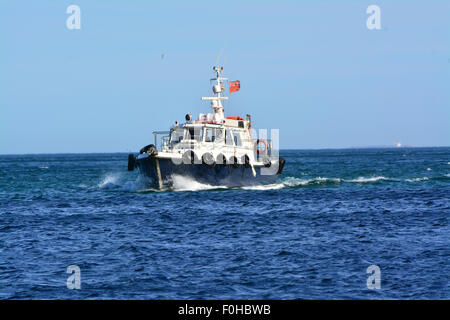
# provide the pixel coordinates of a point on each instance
(312, 235)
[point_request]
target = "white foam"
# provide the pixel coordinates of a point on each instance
(183, 183)
(293, 182)
(109, 181)
(121, 181)
(320, 180)
(274, 186)
(367, 179)
(428, 169)
(417, 179)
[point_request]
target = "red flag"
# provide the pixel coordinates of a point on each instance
(234, 85)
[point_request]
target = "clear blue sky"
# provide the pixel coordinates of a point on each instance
(310, 68)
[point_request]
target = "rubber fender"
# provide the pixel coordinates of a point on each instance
(281, 163)
(189, 157)
(221, 159)
(208, 159)
(234, 162)
(151, 149)
(131, 162)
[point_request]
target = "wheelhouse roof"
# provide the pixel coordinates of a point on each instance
(211, 125)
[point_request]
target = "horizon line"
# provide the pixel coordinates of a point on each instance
(284, 149)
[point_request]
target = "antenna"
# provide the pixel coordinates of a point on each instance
(218, 59)
(221, 55)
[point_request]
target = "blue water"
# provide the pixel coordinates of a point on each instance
(310, 236)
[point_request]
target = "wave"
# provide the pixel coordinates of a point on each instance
(417, 179)
(274, 186)
(290, 182)
(108, 182)
(119, 181)
(369, 179)
(445, 177)
(122, 182)
(182, 183)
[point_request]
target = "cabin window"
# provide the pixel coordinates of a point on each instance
(194, 134)
(237, 139)
(210, 135)
(228, 138)
(176, 135)
(219, 136)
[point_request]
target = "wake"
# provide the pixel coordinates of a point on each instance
(121, 182)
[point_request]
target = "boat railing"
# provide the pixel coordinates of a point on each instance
(164, 139)
(165, 142)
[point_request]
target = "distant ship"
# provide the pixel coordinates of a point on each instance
(214, 149)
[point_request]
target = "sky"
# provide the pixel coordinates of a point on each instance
(311, 69)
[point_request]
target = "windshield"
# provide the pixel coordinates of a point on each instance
(176, 135)
(179, 134)
(195, 133)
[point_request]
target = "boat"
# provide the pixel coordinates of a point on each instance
(212, 149)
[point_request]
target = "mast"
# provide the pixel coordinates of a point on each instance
(217, 88)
